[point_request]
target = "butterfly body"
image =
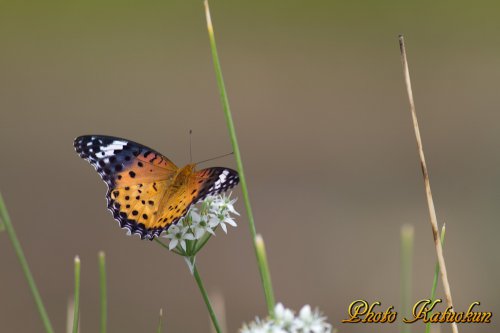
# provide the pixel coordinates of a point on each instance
(147, 192)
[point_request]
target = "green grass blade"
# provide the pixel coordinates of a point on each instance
(266, 274)
(24, 265)
(103, 294)
(76, 313)
(436, 278)
(237, 155)
(407, 233)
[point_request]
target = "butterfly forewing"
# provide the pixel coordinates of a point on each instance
(137, 178)
(122, 162)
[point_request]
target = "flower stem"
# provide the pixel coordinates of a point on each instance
(24, 264)
(436, 278)
(103, 291)
(232, 133)
(199, 283)
(76, 309)
(206, 299)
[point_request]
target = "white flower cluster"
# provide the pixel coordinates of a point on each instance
(200, 223)
(285, 321)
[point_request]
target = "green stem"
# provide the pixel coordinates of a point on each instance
(103, 292)
(436, 278)
(24, 264)
(406, 272)
(76, 313)
(236, 149)
(206, 299)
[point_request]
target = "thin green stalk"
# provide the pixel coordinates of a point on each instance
(160, 322)
(406, 272)
(24, 264)
(266, 274)
(76, 313)
(436, 278)
(103, 292)
(237, 155)
(206, 299)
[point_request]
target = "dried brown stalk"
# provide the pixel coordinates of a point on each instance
(427, 184)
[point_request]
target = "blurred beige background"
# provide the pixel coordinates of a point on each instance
(320, 108)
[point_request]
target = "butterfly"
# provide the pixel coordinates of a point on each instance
(147, 193)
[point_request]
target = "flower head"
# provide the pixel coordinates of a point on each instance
(200, 224)
(311, 321)
(193, 230)
(285, 321)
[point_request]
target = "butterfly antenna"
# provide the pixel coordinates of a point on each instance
(190, 147)
(214, 158)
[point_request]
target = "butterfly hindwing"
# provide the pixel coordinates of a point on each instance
(210, 181)
(136, 207)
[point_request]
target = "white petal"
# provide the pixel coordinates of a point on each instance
(305, 312)
(213, 222)
(233, 211)
(173, 229)
(230, 221)
(173, 243)
(168, 235)
(279, 310)
(199, 232)
(195, 216)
